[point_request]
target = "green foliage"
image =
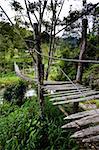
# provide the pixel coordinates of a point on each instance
(15, 128)
(15, 92)
(91, 76)
(7, 108)
(12, 46)
(69, 68)
(23, 128)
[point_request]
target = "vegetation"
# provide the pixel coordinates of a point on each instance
(23, 128)
(15, 93)
(22, 125)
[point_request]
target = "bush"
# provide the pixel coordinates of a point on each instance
(6, 108)
(24, 129)
(15, 92)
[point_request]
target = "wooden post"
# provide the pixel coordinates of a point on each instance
(82, 50)
(40, 68)
(81, 57)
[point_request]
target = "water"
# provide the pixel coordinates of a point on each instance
(1, 96)
(30, 93)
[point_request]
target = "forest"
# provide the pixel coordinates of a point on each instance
(46, 60)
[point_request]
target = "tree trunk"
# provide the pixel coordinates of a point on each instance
(81, 57)
(40, 68)
(82, 50)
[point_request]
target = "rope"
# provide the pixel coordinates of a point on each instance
(67, 59)
(76, 87)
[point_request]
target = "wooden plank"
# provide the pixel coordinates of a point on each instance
(70, 94)
(66, 92)
(83, 121)
(91, 139)
(74, 96)
(86, 132)
(77, 100)
(82, 114)
(63, 85)
(56, 82)
(59, 88)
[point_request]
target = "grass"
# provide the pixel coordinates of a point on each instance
(8, 79)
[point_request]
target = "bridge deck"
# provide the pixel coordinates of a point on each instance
(62, 93)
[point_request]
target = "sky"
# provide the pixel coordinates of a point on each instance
(76, 4)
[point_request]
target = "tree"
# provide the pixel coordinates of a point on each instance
(37, 9)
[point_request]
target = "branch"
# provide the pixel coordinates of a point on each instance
(28, 14)
(6, 15)
(50, 47)
(45, 3)
(33, 13)
(36, 17)
(75, 19)
(59, 11)
(31, 53)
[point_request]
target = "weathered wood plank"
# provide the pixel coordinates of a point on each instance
(82, 122)
(56, 82)
(86, 132)
(63, 85)
(77, 100)
(82, 114)
(74, 96)
(66, 92)
(91, 139)
(59, 88)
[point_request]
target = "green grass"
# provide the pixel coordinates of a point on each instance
(8, 79)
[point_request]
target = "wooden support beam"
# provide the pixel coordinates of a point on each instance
(86, 132)
(81, 57)
(83, 121)
(77, 100)
(82, 114)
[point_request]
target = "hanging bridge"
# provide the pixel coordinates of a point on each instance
(62, 93)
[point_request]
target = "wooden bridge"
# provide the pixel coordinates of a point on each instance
(61, 93)
(86, 123)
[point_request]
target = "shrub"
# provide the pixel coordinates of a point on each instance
(23, 129)
(15, 92)
(6, 108)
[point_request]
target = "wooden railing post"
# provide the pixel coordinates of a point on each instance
(81, 57)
